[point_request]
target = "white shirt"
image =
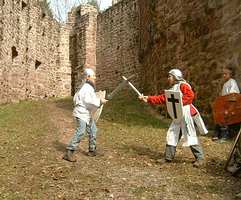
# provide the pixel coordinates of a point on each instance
(85, 102)
(230, 86)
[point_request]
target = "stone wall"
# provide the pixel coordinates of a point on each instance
(115, 1)
(82, 21)
(196, 36)
(118, 44)
(41, 58)
(34, 61)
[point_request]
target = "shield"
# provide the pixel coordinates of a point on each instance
(227, 109)
(174, 104)
(96, 114)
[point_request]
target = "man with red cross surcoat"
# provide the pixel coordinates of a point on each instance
(183, 128)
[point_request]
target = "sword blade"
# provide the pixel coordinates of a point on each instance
(116, 90)
(119, 87)
(132, 86)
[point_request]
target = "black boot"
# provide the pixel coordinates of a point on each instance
(69, 156)
(92, 153)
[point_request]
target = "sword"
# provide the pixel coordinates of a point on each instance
(132, 86)
(119, 87)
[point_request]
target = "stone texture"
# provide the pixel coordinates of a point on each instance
(108, 43)
(83, 23)
(118, 44)
(42, 58)
(199, 37)
(33, 50)
(115, 1)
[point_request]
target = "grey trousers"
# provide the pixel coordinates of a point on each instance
(196, 150)
(171, 150)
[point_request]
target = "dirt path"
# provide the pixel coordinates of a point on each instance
(128, 168)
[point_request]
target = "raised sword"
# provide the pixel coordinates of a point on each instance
(132, 86)
(119, 87)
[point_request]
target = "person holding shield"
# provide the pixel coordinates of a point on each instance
(184, 127)
(223, 132)
(85, 102)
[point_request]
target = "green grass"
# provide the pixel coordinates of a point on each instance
(128, 125)
(129, 110)
(27, 136)
(22, 127)
(132, 137)
(21, 123)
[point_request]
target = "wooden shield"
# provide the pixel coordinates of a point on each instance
(96, 114)
(227, 109)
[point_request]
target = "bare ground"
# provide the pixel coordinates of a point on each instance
(131, 142)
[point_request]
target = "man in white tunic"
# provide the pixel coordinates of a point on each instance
(221, 133)
(230, 86)
(85, 103)
(185, 127)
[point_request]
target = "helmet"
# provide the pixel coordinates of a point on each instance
(176, 73)
(89, 72)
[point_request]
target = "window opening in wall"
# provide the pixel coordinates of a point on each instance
(23, 5)
(37, 64)
(43, 15)
(134, 6)
(118, 47)
(43, 33)
(1, 34)
(29, 28)
(14, 52)
(1, 30)
(78, 12)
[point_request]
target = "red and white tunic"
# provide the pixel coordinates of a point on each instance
(187, 97)
(186, 125)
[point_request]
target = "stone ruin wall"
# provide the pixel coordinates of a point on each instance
(118, 44)
(197, 36)
(37, 53)
(34, 55)
(82, 21)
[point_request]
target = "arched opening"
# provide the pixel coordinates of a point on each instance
(24, 5)
(14, 52)
(37, 64)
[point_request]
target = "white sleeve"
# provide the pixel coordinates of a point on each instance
(77, 99)
(91, 99)
(234, 87)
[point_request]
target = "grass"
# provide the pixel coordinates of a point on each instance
(23, 126)
(34, 135)
(132, 112)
